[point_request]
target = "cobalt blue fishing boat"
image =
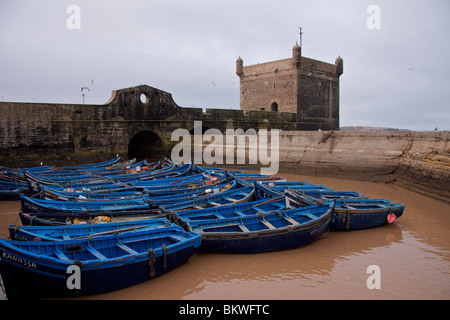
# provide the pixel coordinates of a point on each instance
(312, 190)
(260, 206)
(189, 193)
(184, 187)
(67, 268)
(353, 214)
(271, 231)
(64, 218)
(253, 177)
(301, 185)
(32, 205)
(133, 171)
(125, 193)
(158, 183)
(172, 171)
(265, 202)
(17, 175)
(187, 184)
(11, 190)
(34, 180)
(97, 165)
(98, 187)
(74, 231)
(242, 193)
(59, 177)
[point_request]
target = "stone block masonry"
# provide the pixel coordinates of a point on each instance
(31, 133)
(419, 161)
(135, 122)
(305, 87)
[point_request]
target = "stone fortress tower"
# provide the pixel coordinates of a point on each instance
(309, 88)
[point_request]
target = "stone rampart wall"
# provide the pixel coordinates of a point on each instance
(417, 160)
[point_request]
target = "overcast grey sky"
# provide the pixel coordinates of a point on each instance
(394, 76)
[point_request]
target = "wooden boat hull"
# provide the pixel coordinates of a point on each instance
(103, 164)
(61, 219)
(353, 214)
(226, 197)
(67, 232)
(11, 194)
(31, 205)
(10, 190)
(187, 217)
(348, 219)
(230, 239)
(28, 275)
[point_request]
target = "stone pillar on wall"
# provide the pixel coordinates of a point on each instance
(296, 55)
(339, 63)
(239, 66)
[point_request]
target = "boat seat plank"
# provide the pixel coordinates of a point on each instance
(66, 236)
(60, 255)
(126, 248)
(97, 254)
(243, 228)
(268, 224)
(292, 221)
(240, 213)
(309, 215)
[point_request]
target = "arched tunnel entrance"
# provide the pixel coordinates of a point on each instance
(145, 145)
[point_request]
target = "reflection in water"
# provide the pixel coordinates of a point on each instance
(312, 272)
(413, 254)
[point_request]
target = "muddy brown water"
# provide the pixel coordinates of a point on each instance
(413, 256)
